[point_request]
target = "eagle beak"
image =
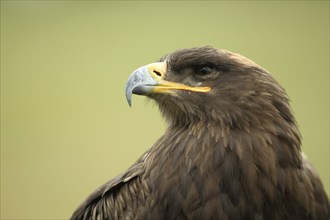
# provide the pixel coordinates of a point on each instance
(150, 79)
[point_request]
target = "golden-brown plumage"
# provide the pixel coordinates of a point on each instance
(232, 149)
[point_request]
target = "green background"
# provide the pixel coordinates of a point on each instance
(65, 125)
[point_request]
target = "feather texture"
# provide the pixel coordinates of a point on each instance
(233, 153)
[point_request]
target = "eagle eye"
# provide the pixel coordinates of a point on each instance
(204, 70)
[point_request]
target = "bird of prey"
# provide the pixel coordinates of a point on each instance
(232, 149)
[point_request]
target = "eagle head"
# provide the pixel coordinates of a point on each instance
(209, 84)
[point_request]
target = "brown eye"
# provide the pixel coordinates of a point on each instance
(204, 70)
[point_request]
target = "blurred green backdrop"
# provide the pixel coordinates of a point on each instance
(65, 125)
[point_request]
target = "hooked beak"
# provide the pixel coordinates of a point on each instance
(150, 79)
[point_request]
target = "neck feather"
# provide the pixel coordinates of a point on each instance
(235, 161)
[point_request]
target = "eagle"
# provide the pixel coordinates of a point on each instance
(231, 151)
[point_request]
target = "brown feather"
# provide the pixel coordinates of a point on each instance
(233, 153)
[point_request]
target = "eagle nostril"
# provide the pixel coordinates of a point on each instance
(157, 73)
